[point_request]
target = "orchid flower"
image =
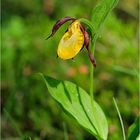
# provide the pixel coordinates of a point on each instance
(75, 39)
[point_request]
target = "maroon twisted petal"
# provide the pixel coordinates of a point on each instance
(58, 24)
(87, 40)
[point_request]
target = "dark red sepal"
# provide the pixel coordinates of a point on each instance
(87, 40)
(58, 24)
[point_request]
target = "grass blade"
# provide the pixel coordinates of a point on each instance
(13, 124)
(120, 118)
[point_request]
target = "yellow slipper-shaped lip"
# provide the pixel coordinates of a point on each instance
(71, 42)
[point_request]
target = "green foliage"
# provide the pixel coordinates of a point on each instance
(120, 118)
(100, 13)
(14, 124)
(25, 52)
(77, 102)
(98, 127)
(133, 131)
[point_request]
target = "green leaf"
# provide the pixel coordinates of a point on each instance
(133, 131)
(100, 13)
(138, 137)
(77, 103)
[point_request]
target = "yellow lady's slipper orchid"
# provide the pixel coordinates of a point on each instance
(71, 42)
(75, 38)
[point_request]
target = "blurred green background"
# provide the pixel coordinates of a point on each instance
(27, 107)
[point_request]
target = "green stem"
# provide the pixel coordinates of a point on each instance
(120, 118)
(92, 92)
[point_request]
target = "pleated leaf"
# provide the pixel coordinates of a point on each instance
(77, 103)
